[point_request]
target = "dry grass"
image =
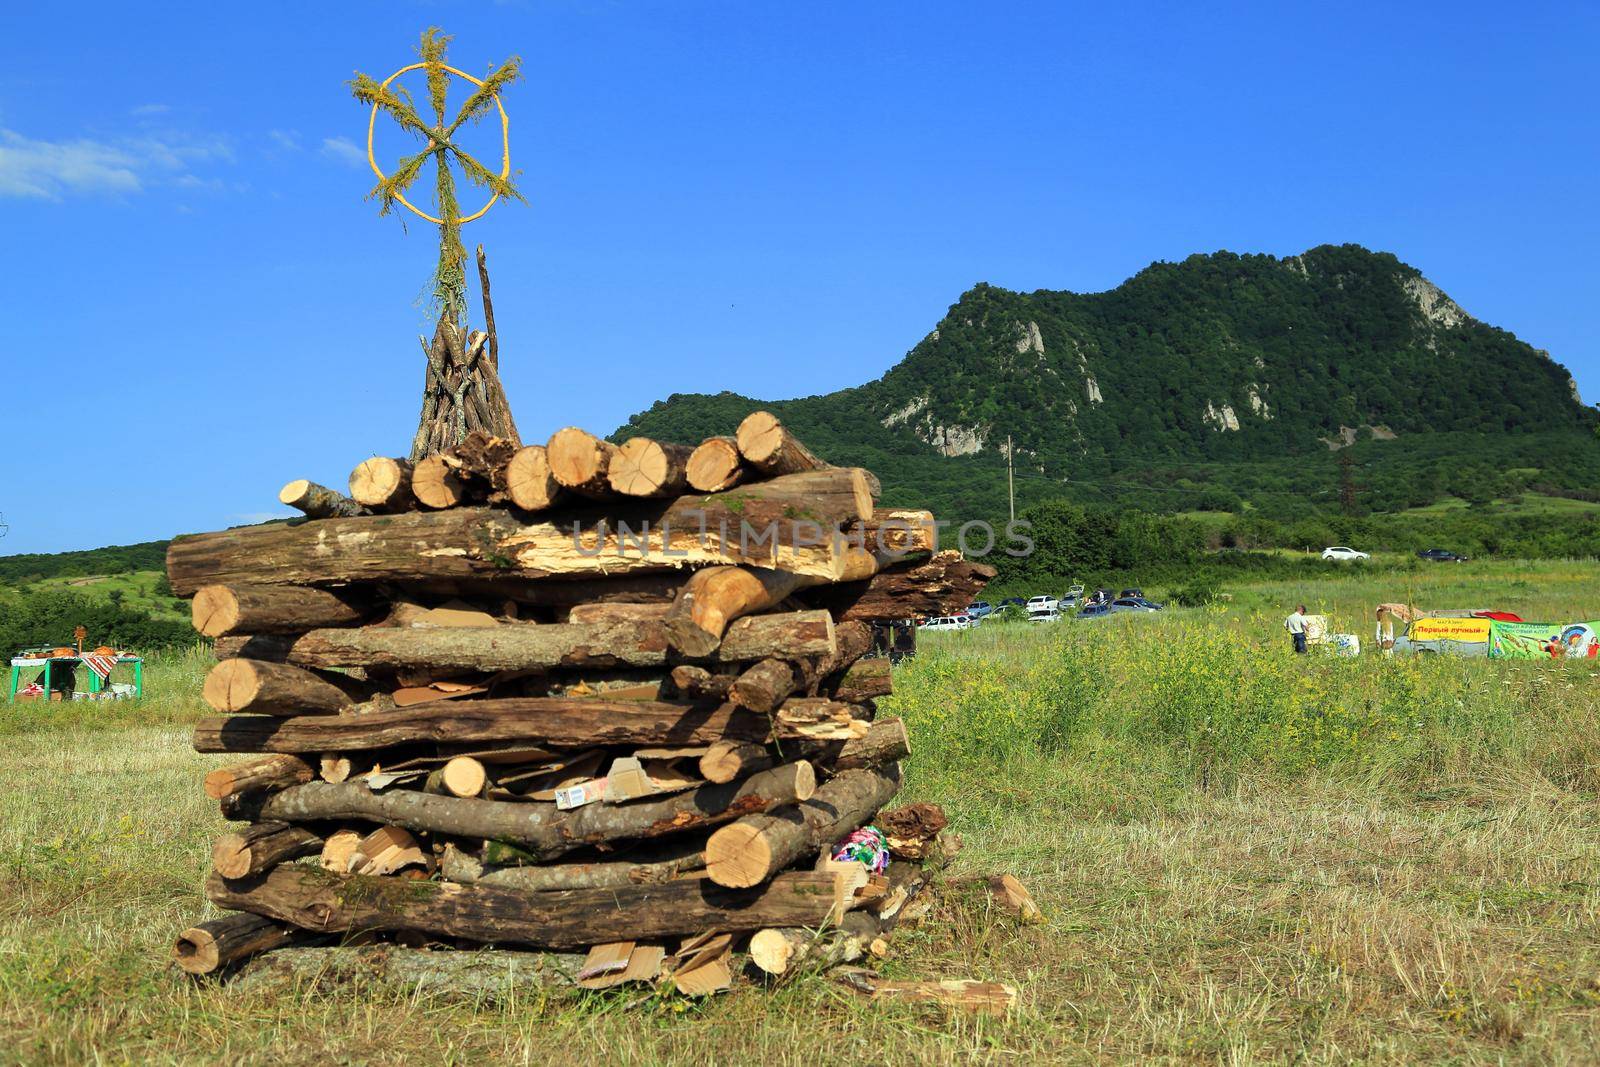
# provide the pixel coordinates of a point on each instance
(1441, 910)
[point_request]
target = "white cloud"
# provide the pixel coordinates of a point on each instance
(50, 170)
(145, 110)
(288, 140)
(344, 150)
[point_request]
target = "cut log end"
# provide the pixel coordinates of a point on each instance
(772, 949)
(231, 685)
(381, 482)
(642, 467)
(760, 437)
(436, 485)
(715, 465)
(580, 461)
(529, 483)
(464, 776)
(293, 493)
(738, 856)
(215, 610)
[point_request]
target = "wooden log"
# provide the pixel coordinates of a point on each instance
(625, 643)
(496, 548)
(266, 772)
(852, 640)
(435, 483)
(557, 722)
(893, 534)
(826, 499)
(715, 465)
(317, 900)
(672, 859)
(726, 760)
(265, 648)
(771, 449)
(318, 501)
(382, 484)
(696, 683)
(643, 467)
(885, 742)
(940, 585)
(463, 776)
(581, 462)
(213, 945)
(261, 846)
(220, 610)
(964, 994)
(864, 680)
(754, 848)
(543, 829)
(778, 951)
(763, 686)
(484, 976)
(247, 685)
(714, 597)
(614, 613)
(529, 483)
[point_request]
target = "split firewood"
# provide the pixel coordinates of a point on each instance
(577, 918)
(260, 847)
(385, 851)
(983, 998)
(213, 945)
(318, 501)
(672, 859)
(529, 483)
(642, 467)
(818, 719)
(247, 685)
(581, 462)
(1013, 897)
(885, 741)
(339, 849)
(260, 774)
(716, 465)
(752, 849)
(610, 613)
(382, 484)
(219, 610)
(767, 446)
(544, 829)
(936, 586)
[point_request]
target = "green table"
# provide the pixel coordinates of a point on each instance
(24, 661)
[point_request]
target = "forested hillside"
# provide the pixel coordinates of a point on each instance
(1224, 380)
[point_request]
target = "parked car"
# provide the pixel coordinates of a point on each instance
(1094, 611)
(1440, 555)
(1133, 603)
(946, 622)
(1048, 615)
(1076, 592)
(980, 609)
(1132, 592)
(1012, 602)
(1341, 552)
(1042, 603)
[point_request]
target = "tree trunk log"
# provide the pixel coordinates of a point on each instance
(240, 686)
(260, 847)
(556, 722)
(529, 483)
(892, 534)
(435, 483)
(220, 610)
(771, 449)
(268, 772)
(643, 467)
(213, 945)
(461, 544)
(531, 646)
(753, 849)
(865, 680)
(884, 742)
(670, 860)
(318, 501)
(581, 461)
(327, 903)
(714, 597)
(764, 686)
(716, 465)
(697, 683)
(944, 584)
(543, 829)
(382, 484)
(727, 760)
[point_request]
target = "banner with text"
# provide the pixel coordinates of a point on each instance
(1544, 640)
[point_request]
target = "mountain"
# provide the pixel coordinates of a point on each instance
(1228, 376)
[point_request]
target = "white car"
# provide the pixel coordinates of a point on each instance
(1037, 604)
(1048, 615)
(1341, 552)
(947, 622)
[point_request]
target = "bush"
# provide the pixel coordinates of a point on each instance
(1198, 592)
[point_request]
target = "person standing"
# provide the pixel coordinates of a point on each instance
(1296, 625)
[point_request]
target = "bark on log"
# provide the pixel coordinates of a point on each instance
(556, 722)
(825, 499)
(458, 545)
(716, 465)
(382, 484)
(865, 680)
(696, 683)
(529, 483)
(754, 848)
(892, 534)
(267, 772)
(543, 829)
(213, 945)
(220, 610)
(771, 449)
(643, 467)
(239, 686)
(260, 847)
(318, 501)
(764, 686)
(475, 977)
(940, 585)
(779, 950)
(581, 461)
(714, 597)
(529, 646)
(885, 742)
(663, 863)
(435, 483)
(265, 648)
(327, 903)
(852, 640)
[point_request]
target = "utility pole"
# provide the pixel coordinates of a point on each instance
(1011, 484)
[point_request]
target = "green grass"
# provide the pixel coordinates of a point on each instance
(1241, 855)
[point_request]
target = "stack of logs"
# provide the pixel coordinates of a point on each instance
(571, 696)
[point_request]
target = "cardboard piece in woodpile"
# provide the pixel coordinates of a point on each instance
(616, 703)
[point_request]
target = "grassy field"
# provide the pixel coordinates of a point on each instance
(1242, 856)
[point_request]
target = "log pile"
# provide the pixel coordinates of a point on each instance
(579, 697)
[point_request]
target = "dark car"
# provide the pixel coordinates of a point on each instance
(1133, 603)
(1010, 600)
(1094, 611)
(1132, 592)
(1440, 555)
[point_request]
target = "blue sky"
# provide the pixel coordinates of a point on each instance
(777, 199)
